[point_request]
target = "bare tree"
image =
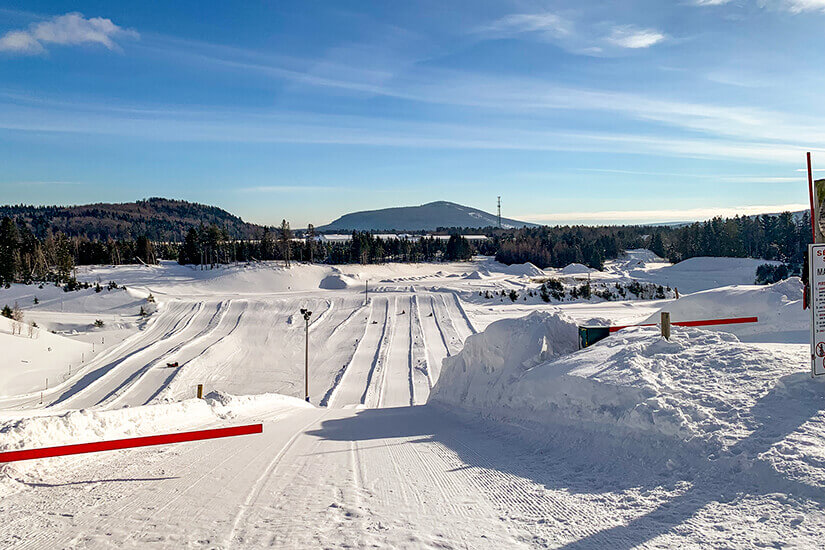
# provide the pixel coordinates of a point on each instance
(17, 319)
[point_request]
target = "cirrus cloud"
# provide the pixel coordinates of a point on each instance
(69, 30)
(628, 36)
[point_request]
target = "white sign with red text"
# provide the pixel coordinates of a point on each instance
(816, 282)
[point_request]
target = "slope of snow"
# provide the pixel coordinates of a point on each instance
(702, 273)
(778, 308)
(28, 361)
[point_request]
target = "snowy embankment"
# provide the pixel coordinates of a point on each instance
(778, 308)
(42, 429)
(705, 391)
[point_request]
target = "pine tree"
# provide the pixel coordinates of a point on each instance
(9, 251)
(285, 240)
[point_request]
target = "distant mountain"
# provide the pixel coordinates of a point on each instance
(426, 217)
(158, 219)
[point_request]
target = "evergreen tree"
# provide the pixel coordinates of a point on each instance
(9, 251)
(285, 240)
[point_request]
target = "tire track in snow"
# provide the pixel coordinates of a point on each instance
(270, 470)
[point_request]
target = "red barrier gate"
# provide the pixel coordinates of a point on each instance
(146, 441)
(705, 323)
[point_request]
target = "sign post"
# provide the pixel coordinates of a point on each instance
(816, 282)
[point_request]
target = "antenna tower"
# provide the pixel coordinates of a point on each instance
(499, 212)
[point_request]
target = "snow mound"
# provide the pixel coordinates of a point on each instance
(778, 308)
(490, 361)
(525, 270)
(478, 274)
(337, 281)
(705, 391)
(575, 269)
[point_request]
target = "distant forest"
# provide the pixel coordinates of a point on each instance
(31, 252)
(782, 237)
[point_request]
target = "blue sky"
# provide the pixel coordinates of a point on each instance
(573, 112)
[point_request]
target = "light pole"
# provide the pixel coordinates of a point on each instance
(307, 314)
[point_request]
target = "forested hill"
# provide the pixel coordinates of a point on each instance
(156, 218)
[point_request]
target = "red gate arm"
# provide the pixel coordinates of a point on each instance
(146, 441)
(705, 323)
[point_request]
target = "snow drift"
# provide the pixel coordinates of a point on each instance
(705, 390)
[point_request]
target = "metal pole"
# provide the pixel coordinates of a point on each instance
(811, 194)
(307, 314)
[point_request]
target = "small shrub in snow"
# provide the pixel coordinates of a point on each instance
(767, 274)
(99, 323)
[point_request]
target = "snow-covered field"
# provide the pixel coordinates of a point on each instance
(443, 414)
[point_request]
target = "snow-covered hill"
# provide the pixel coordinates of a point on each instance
(426, 217)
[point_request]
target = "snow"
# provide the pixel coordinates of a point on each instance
(696, 274)
(576, 269)
(439, 418)
(778, 308)
(29, 361)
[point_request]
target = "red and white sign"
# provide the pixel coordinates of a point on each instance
(816, 282)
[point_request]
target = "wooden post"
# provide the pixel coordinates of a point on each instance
(665, 324)
(200, 391)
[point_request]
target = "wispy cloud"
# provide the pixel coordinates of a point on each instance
(794, 6)
(661, 215)
(548, 25)
(628, 36)
(287, 188)
(44, 183)
(67, 30)
(577, 36)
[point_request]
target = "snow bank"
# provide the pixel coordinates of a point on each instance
(704, 390)
(778, 307)
(95, 425)
(490, 361)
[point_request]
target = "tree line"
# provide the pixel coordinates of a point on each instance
(28, 255)
(782, 237)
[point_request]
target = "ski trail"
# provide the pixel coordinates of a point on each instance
(329, 396)
(421, 380)
(396, 378)
(376, 382)
(356, 378)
